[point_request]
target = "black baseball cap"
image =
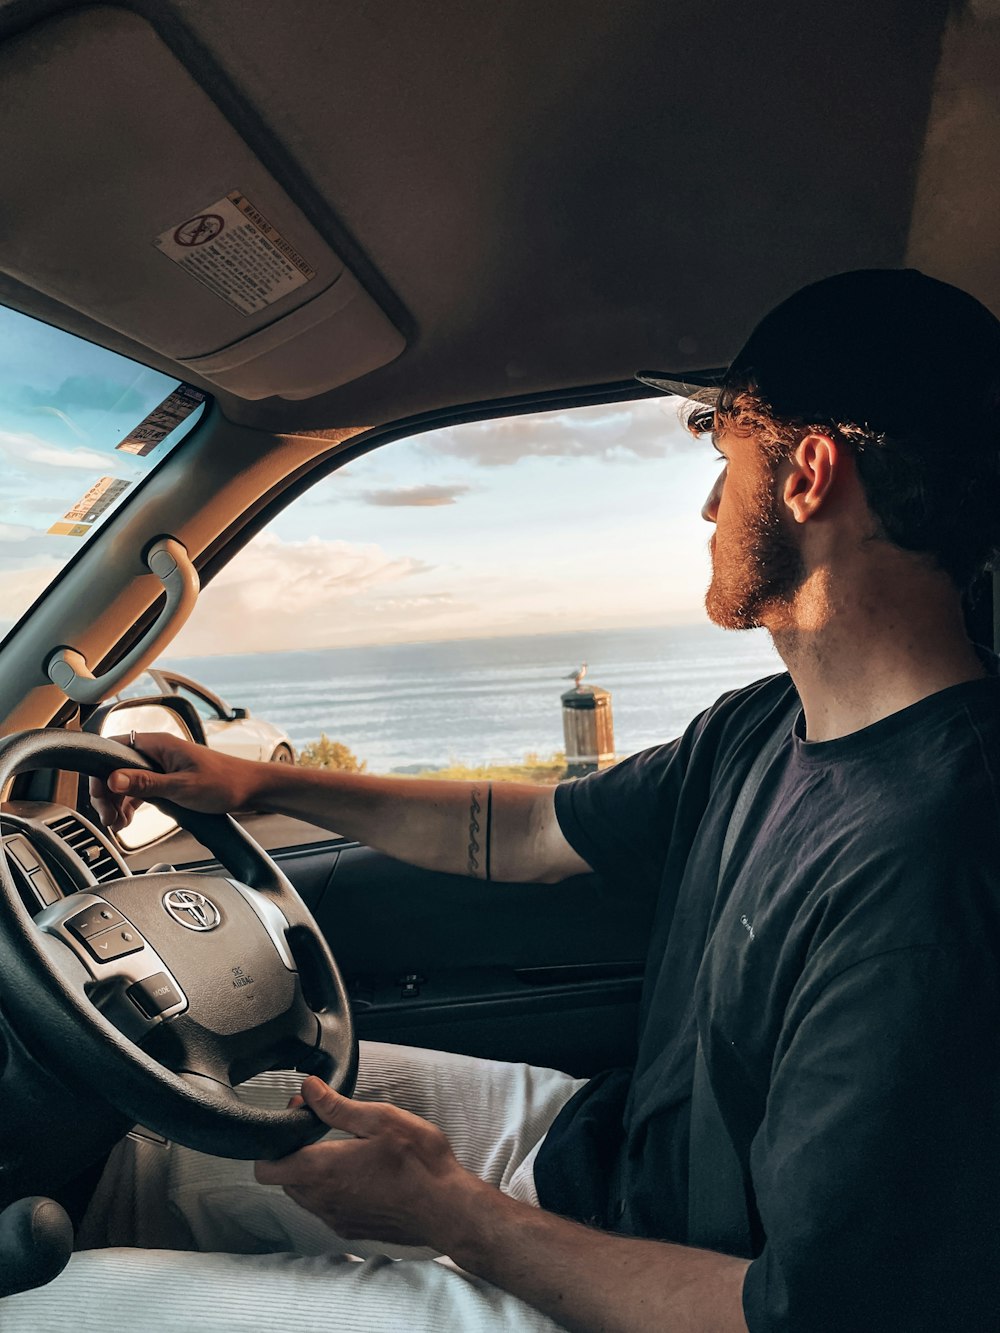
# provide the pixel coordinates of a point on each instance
(890, 350)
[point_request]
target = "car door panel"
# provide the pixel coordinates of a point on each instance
(545, 973)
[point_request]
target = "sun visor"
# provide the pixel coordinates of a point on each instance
(131, 198)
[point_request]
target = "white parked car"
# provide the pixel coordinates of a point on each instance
(227, 729)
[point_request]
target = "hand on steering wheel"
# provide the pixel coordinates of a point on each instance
(185, 773)
(162, 991)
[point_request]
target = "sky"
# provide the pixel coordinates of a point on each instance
(64, 407)
(580, 519)
(575, 519)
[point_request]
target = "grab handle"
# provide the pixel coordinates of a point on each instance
(168, 559)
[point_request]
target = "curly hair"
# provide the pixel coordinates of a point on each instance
(933, 497)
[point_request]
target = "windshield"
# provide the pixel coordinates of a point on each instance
(80, 427)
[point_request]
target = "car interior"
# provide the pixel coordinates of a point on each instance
(441, 214)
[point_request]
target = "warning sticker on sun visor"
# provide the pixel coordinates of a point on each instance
(233, 249)
(154, 428)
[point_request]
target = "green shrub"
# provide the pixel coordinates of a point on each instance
(326, 753)
(533, 769)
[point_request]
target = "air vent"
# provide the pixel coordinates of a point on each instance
(87, 846)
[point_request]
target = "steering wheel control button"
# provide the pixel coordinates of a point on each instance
(114, 944)
(44, 886)
(191, 909)
(21, 850)
(154, 995)
(102, 916)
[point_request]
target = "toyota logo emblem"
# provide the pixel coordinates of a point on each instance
(192, 910)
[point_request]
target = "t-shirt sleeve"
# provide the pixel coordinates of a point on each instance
(877, 1167)
(619, 819)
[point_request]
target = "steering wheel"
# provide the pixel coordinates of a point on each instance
(163, 991)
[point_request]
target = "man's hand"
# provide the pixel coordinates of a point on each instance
(397, 1180)
(193, 776)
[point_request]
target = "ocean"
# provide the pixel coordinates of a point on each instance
(473, 701)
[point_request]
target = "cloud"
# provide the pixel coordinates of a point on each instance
(67, 421)
(16, 532)
(298, 576)
(25, 544)
(435, 601)
(19, 552)
(84, 460)
(278, 595)
(417, 497)
(92, 393)
(29, 453)
(20, 587)
(75, 394)
(28, 503)
(613, 433)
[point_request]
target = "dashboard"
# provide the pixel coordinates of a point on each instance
(56, 1131)
(53, 851)
(54, 1135)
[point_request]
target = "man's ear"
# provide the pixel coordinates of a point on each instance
(814, 468)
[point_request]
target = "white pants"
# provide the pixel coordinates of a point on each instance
(198, 1219)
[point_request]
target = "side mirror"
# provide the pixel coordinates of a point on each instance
(176, 717)
(238, 714)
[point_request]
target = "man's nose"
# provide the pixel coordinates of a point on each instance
(710, 508)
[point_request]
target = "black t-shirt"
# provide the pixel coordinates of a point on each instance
(845, 980)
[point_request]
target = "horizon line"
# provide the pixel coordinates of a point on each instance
(462, 638)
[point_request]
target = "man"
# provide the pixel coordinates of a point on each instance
(838, 964)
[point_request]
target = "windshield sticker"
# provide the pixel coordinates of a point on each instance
(155, 428)
(235, 252)
(69, 529)
(97, 501)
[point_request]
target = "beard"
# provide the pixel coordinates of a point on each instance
(756, 574)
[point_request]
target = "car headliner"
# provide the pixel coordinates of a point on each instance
(538, 197)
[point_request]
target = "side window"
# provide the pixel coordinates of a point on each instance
(206, 710)
(143, 687)
(426, 608)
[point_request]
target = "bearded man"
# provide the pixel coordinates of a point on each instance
(823, 983)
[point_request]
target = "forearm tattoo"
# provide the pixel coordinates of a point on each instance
(480, 831)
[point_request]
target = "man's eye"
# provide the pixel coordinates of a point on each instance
(720, 458)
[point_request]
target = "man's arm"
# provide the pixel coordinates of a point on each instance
(502, 831)
(588, 1280)
(398, 1180)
